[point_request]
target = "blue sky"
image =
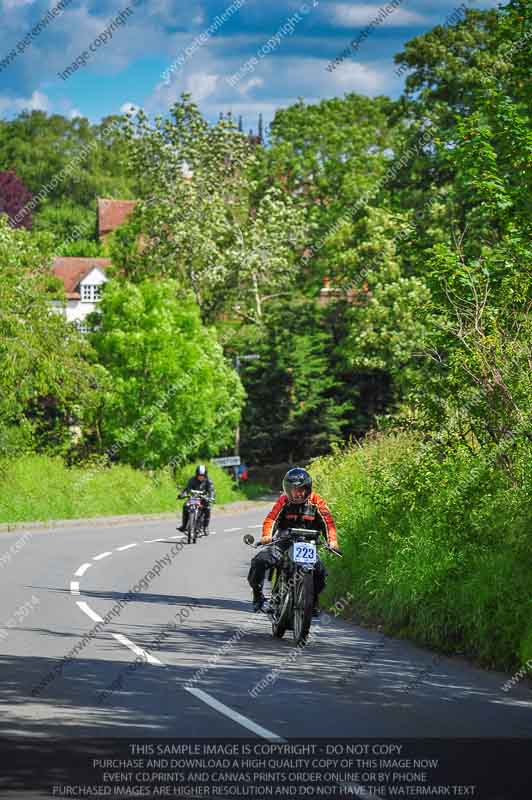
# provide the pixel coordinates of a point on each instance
(129, 69)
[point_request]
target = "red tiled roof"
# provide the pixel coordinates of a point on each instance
(72, 270)
(112, 213)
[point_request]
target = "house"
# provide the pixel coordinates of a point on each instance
(83, 279)
(112, 214)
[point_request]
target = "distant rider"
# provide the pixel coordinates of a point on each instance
(298, 507)
(200, 482)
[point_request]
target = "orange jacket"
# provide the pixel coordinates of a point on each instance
(313, 514)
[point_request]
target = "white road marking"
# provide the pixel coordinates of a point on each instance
(255, 526)
(102, 555)
(230, 530)
(137, 650)
(88, 611)
(82, 570)
(74, 587)
(127, 546)
(150, 541)
(235, 716)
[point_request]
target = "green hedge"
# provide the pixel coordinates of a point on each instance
(42, 488)
(437, 546)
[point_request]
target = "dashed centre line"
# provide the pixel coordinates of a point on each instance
(137, 650)
(88, 611)
(264, 733)
(206, 698)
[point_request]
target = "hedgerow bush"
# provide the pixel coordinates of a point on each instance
(436, 544)
(39, 487)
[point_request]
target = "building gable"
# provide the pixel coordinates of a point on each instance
(75, 271)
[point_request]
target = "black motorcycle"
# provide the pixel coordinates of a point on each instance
(292, 579)
(196, 510)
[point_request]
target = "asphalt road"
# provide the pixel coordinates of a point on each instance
(194, 619)
(182, 654)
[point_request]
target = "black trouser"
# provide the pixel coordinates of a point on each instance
(205, 519)
(268, 557)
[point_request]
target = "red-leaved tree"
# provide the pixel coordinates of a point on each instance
(13, 197)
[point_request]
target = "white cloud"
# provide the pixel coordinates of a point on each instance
(37, 102)
(129, 108)
(201, 85)
(251, 84)
(352, 76)
(348, 15)
(75, 113)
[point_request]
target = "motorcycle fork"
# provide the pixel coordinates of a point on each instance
(274, 577)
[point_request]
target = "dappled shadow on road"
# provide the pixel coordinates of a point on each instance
(222, 603)
(346, 682)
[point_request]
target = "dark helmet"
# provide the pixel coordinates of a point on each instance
(297, 478)
(201, 469)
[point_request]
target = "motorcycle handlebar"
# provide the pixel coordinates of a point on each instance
(249, 540)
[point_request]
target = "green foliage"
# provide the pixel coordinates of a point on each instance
(172, 395)
(194, 221)
(40, 148)
(291, 411)
(43, 488)
(46, 382)
(436, 544)
(67, 222)
(328, 155)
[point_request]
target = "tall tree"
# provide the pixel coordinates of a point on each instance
(172, 393)
(46, 380)
(195, 218)
(13, 197)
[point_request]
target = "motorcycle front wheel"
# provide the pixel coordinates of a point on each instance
(191, 527)
(279, 602)
(303, 601)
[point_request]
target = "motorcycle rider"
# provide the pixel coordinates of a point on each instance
(200, 482)
(298, 507)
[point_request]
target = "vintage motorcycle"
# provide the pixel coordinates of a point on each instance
(292, 581)
(195, 507)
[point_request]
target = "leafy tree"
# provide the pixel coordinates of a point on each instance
(173, 395)
(195, 221)
(326, 156)
(66, 164)
(46, 382)
(13, 197)
(292, 411)
(67, 222)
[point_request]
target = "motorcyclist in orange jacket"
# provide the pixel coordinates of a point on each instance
(298, 507)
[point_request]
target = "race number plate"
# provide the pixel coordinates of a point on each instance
(304, 553)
